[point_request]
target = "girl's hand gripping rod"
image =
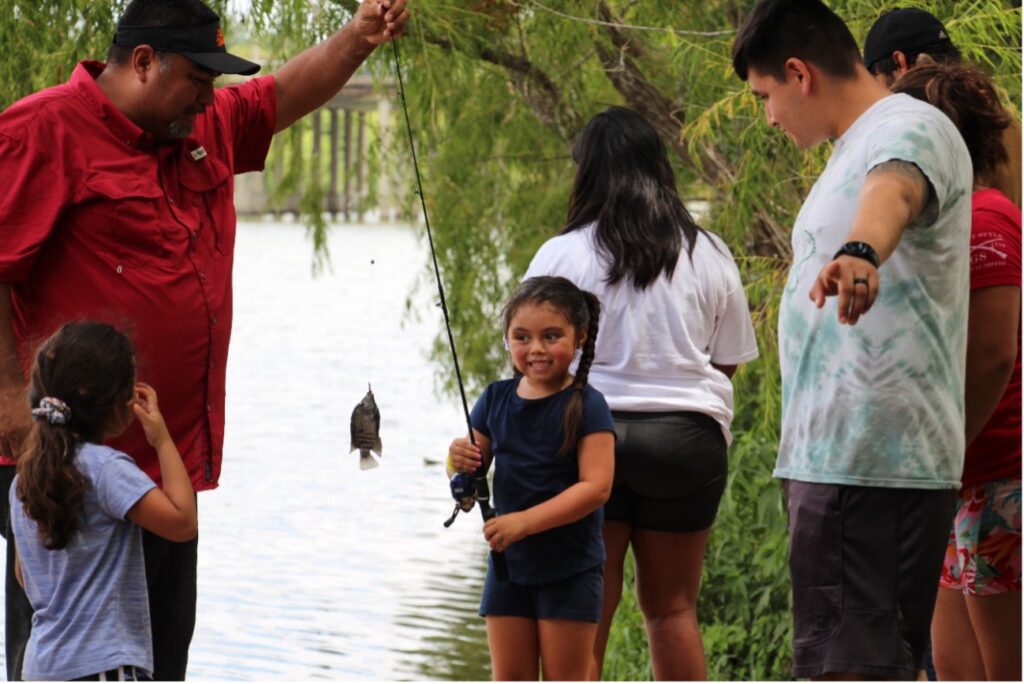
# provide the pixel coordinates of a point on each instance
(475, 487)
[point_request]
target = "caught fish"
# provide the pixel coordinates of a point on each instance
(365, 429)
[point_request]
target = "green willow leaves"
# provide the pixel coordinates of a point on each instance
(497, 91)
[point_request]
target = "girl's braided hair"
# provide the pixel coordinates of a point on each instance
(583, 311)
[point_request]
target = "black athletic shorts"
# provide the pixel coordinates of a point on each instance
(670, 470)
(864, 563)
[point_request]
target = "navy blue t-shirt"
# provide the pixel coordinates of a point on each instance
(526, 435)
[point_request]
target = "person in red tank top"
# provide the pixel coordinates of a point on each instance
(976, 628)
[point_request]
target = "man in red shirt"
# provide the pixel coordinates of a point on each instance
(117, 206)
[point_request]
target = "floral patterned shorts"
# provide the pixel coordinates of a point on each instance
(983, 555)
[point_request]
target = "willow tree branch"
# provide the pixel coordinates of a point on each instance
(620, 66)
(538, 90)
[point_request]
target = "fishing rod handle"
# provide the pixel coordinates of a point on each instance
(497, 557)
(486, 512)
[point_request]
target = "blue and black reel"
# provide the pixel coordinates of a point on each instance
(464, 492)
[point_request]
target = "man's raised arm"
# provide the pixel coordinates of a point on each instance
(312, 77)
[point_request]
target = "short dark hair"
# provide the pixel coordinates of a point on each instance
(158, 13)
(967, 96)
(777, 30)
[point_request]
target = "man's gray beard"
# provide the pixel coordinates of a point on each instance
(179, 128)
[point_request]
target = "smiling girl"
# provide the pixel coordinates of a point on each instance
(552, 438)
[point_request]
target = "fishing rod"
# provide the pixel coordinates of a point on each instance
(465, 489)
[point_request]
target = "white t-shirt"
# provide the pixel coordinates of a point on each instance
(881, 403)
(655, 346)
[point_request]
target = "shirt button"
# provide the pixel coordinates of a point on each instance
(202, 276)
(195, 234)
(171, 202)
(120, 268)
(209, 409)
(213, 319)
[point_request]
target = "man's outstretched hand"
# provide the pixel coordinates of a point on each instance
(853, 280)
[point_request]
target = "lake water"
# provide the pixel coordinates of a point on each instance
(308, 567)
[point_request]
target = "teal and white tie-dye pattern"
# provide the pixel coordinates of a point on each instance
(881, 403)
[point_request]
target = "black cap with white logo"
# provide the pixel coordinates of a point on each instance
(908, 30)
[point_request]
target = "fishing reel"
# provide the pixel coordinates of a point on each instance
(464, 492)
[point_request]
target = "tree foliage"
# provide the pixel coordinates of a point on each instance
(497, 90)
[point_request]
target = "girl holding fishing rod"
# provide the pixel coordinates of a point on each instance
(552, 439)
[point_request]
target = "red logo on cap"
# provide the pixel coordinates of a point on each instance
(220, 37)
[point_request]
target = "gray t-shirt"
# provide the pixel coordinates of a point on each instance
(881, 403)
(90, 601)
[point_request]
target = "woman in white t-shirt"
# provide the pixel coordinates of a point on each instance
(675, 326)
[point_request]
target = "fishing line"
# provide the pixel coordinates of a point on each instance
(369, 365)
(481, 491)
(430, 239)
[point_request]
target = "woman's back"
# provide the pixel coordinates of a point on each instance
(656, 345)
(90, 601)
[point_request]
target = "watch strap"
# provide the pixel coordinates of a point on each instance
(861, 250)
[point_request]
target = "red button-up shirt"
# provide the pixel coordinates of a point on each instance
(98, 221)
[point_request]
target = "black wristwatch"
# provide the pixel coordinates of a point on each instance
(861, 250)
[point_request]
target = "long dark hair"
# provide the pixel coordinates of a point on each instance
(968, 97)
(625, 183)
(583, 311)
(89, 368)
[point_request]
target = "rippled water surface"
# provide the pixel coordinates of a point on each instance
(308, 567)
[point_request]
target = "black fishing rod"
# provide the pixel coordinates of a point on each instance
(463, 488)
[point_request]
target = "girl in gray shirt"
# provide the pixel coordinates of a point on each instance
(77, 508)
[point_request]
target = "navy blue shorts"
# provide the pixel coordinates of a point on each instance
(577, 597)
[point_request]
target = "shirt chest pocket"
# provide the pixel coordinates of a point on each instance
(127, 215)
(206, 193)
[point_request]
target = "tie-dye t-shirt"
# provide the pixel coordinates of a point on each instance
(881, 403)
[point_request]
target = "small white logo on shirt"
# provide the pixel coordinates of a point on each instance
(198, 153)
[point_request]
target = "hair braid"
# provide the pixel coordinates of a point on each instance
(587, 357)
(572, 421)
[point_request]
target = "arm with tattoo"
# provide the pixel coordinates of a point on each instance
(895, 194)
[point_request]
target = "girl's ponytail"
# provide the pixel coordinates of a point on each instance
(83, 377)
(572, 421)
(50, 487)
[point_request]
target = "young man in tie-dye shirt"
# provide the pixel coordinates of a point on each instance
(872, 339)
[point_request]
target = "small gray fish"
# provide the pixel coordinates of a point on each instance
(365, 431)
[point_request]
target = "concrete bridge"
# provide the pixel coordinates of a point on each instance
(335, 144)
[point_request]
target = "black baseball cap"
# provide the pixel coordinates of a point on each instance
(906, 29)
(203, 43)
